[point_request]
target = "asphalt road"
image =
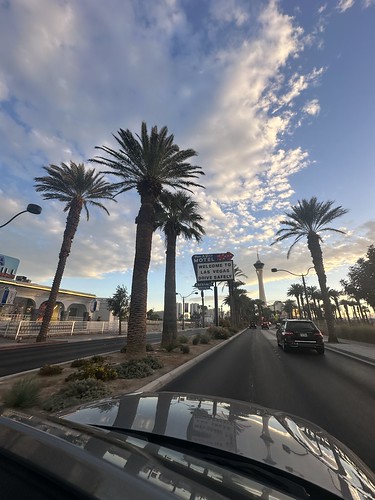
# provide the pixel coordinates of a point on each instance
(333, 391)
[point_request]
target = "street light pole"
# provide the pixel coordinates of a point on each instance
(183, 306)
(33, 209)
(275, 270)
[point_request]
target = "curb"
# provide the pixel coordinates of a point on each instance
(357, 357)
(168, 377)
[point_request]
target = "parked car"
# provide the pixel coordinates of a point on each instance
(265, 325)
(252, 324)
(299, 334)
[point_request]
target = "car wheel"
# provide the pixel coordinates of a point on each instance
(285, 347)
(320, 350)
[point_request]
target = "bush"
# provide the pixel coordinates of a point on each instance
(196, 339)
(48, 370)
(170, 347)
(123, 349)
(75, 393)
(97, 359)
(204, 339)
(185, 349)
(153, 363)
(134, 368)
(149, 347)
(218, 332)
(225, 323)
(23, 394)
(361, 333)
(95, 371)
(183, 339)
(77, 363)
(233, 330)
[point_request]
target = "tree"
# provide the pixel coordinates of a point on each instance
(77, 187)
(119, 305)
(335, 294)
(308, 219)
(361, 278)
(146, 163)
(289, 306)
(296, 290)
(176, 215)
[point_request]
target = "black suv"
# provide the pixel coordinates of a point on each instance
(299, 333)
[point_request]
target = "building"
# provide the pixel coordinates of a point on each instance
(259, 270)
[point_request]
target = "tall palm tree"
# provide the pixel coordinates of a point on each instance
(296, 290)
(176, 215)
(306, 220)
(335, 294)
(313, 293)
(147, 163)
(77, 187)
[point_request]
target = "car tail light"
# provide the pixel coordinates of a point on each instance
(318, 334)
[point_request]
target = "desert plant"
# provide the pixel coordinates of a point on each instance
(97, 359)
(218, 332)
(77, 363)
(153, 363)
(196, 339)
(96, 371)
(48, 370)
(149, 347)
(204, 339)
(134, 368)
(182, 339)
(185, 349)
(75, 393)
(170, 347)
(23, 394)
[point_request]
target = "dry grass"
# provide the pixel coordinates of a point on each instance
(50, 385)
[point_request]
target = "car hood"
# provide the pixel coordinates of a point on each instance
(269, 437)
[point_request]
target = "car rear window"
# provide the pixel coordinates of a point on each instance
(301, 326)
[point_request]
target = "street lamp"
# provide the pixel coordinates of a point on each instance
(275, 270)
(183, 306)
(33, 209)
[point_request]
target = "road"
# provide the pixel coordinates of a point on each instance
(333, 391)
(26, 357)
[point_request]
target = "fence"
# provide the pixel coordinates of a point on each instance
(16, 329)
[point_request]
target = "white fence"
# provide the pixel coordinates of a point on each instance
(16, 329)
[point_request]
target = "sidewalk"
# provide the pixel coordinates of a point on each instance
(353, 349)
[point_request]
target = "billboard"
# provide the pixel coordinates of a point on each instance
(8, 266)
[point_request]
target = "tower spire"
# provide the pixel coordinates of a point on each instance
(259, 270)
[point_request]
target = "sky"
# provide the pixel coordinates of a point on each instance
(276, 97)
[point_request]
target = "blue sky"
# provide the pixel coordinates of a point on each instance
(277, 98)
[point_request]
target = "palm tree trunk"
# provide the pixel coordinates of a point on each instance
(317, 258)
(72, 222)
(169, 334)
(136, 339)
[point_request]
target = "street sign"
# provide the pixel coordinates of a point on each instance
(204, 285)
(210, 258)
(215, 271)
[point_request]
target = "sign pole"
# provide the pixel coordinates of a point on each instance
(216, 305)
(203, 311)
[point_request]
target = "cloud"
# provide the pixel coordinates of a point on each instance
(344, 5)
(312, 107)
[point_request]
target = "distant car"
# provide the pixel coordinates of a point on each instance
(299, 334)
(265, 325)
(252, 324)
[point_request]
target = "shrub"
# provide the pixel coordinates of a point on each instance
(204, 339)
(225, 323)
(218, 332)
(47, 370)
(95, 371)
(149, 347)
(77, 363)
(153, 363)
(123, 349)
(170, 347)
(183, 339)
(185, 349)
(362, 333)
(75, 393)
(134, 368)
(23, 394)
(97, 359)
(233, 330)
(196, 339)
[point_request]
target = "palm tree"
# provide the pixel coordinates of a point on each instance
(314, 294)
(177, 215)
(307, 219)
(289, 306)
(146, 163)
(77, 187)
(335, 294)
(296, 290)
(345, 303)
